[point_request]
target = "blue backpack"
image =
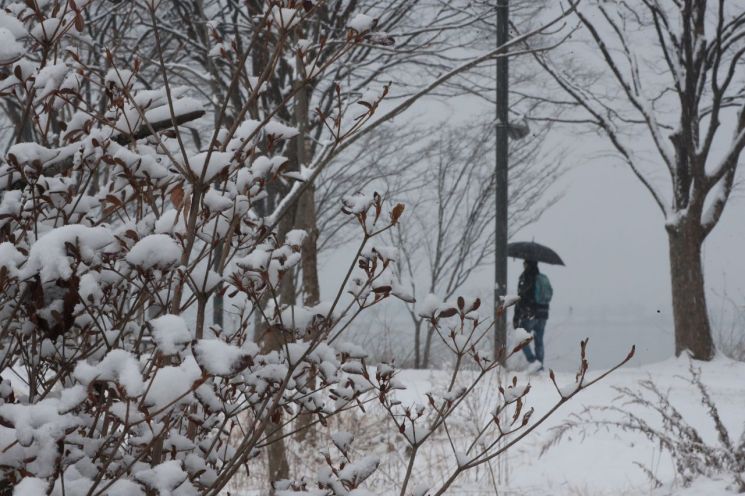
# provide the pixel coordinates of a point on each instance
(543, 290)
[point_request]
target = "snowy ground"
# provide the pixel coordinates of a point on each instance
(600, 463)
(603, 463)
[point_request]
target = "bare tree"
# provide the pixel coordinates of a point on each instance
(671, 76)
(452, 233)
(383, 161)
(409, 47)
(373, 160)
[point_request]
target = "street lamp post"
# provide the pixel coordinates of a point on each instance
(500, 233)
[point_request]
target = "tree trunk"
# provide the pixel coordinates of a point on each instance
(417, 344)
(692, 329)
(278, 466)
(272, 340)
(277, 462)
(306, 219)
(428, 346)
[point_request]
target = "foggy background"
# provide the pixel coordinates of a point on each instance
(615, 288)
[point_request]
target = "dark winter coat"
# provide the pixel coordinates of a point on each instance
(527, 308)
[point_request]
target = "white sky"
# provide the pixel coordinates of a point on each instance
(611, 235)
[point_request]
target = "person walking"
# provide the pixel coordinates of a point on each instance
(531, 312)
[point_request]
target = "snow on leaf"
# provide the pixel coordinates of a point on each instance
(568, 389)
(30, 486)
(430, 306)
(404, 294)
(119, 366)
(54, 77)
(362, 23)
(205, 170)
(301, 318)
(49, 257)
(71, 397)
(263, 166)
(296, 352)
(357, 472)
(10, 205)
(247, 129)
(170, 333)
(512, 393)
(39, 423)
(141, 165)
(170, 222)
(172, 385)
(155, 250)
(357, 203)
(27, 153)
(125, 487)
(351, 350)
(385, 253)
(342, 440)
(167, 478)
(89, 290)
(216, 201)
(10, 258)
(120, 78)
(517, 336)
(296, 237)
(10, 49)
(219, 358)
(12, 25)
(126, 411)
(279, 130)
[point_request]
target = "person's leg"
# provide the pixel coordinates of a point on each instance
(538, 330)
(528, 326)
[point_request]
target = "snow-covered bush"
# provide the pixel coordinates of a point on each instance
(118, 229)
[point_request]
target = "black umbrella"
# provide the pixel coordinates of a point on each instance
(530, 250)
